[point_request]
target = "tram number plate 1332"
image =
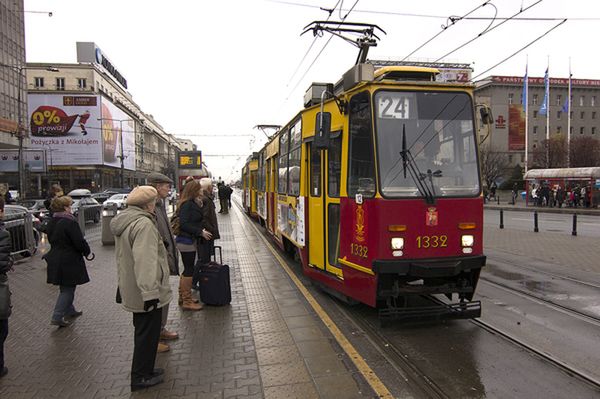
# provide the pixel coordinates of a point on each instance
(432, 241)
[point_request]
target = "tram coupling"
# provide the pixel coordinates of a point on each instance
(437, 312)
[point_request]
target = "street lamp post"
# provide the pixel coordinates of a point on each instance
(20, 133)
(122, 156)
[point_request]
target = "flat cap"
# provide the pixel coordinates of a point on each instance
(141, 196)
(156, 177)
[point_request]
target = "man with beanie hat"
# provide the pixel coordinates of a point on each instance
(143, 278)
(162, 184)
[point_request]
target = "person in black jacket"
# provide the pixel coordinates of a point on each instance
(191, 234)
(5, 265)
(55, 191)
(209, 221)
(66, 267)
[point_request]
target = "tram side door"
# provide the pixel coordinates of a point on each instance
(324, 207)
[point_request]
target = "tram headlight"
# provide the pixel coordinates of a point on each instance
(467, 240)
(397, 243)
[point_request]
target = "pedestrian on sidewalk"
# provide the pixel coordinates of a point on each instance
(66, 266)
(162, 184)
(143, 279)
(191, 234)
(222, 190)
(6, 262)
(55, 191)
(209, 221)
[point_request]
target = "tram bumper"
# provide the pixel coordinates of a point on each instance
(429, 268)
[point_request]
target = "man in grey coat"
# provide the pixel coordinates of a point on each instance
(162, 184)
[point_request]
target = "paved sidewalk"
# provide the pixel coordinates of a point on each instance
(268, 343)
(504, 201)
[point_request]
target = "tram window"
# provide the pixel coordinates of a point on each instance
(361, 165)
(294, 172)
(315, 172)
(283, 174)
(333, 242)
(335, 166)
(296, 135)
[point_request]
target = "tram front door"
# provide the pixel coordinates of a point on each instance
(324, 206)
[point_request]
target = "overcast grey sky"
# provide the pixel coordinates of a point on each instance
(218, 68)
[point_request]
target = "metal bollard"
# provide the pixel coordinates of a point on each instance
(501, 219)
(535, 222)
(108, 213)
(574, 232)
(498, 199)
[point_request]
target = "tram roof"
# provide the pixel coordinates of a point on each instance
(563, 173)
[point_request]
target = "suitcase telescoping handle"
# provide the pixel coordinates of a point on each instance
(218, 247)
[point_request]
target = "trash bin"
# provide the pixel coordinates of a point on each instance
(108, 212)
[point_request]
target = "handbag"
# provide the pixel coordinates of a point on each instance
(175, 223)
(5, 305)
(43, 226)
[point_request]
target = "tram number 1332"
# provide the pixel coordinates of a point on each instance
(359, 250)
(432, 241)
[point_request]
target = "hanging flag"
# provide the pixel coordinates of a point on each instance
(544, 107)
(525, 89)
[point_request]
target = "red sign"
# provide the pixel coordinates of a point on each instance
(500, 122)
(82, 101)
(431, 217)
(47, 120)
(540, 81)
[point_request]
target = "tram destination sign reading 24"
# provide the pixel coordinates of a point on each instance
(190, 160)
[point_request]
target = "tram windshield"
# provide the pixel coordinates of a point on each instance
(439, 135)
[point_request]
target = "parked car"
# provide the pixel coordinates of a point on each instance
(91, 207)
(35, 206)
(14, 220)
(80, 193)
(117, 199)
(109, 192)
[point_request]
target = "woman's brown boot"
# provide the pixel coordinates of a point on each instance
(186, 294)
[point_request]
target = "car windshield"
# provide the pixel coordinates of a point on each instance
(437, 131)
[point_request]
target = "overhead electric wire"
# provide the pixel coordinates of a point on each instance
(487, 30)
(444, 27)
(320, 52)
(521, 49)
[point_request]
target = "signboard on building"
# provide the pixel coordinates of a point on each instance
(516, 128)
(190, 160)
(34, 160)
(89, 52)
(81, 130)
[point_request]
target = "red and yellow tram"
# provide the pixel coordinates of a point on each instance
(376, 186)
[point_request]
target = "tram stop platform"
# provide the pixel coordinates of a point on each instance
(269, 343)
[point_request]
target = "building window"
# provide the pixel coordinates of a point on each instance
(81, 83)
(510, 158)
(535, 114)
(39, 82)
(60, 83)
(535, 99)
(558, 100)
(593, 101)
(571, 116)
(593, 130)
(593, 114)
(581, 101)
(559, 129)
(571, 131)
(510, 98)
(582, 130)
(558, 114)
(535, 128)
(534, 146)
(582, 114)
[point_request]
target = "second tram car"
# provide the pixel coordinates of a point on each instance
(376, 187)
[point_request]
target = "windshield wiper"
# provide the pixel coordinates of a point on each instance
(419, 178)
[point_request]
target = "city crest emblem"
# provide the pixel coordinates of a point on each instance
(359, 227)
(431, 217)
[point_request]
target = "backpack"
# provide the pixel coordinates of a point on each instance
(175, 223)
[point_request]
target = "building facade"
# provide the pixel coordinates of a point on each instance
(504, 95)
(94, 134)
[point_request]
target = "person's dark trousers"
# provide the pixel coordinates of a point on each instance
(224, 206)
(64, 303)
(3, 335)
(146, 336)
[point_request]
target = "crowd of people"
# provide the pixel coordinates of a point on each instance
(576, 196)
(148, 246)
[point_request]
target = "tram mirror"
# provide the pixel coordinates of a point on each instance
(486, 115)
(322, 129)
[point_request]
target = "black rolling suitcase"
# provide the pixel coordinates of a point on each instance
(215, 288)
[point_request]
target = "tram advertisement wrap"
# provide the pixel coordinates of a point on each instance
(291, 220)
(67, 126)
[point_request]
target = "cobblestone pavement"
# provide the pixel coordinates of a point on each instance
(268, 343)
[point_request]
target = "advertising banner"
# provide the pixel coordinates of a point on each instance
(516, 128)
(68, 126)
(118, 134)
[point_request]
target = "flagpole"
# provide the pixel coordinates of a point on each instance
(569, 119)
(548, 116)
(526, 100)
